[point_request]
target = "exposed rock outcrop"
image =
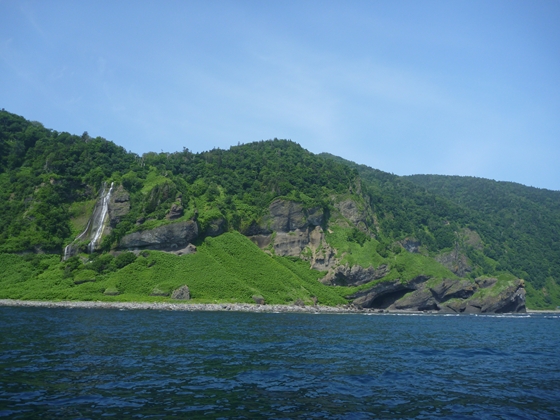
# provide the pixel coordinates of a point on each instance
(286, 216)
(455, 289)
(456, 261)
(291, 243)
(411, 245)
(167, 238)
(216, 227)
(349, 209)
(323, 256)
(292, 230)
(119, 205)
(175, 211)
(384, 294)
(182, 293)
(510, 299)
(345, 275)
(451, 295)
(189, 249)
(315, 216)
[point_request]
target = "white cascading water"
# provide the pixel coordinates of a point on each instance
(93, 221)
(100, 225)
(68, 247)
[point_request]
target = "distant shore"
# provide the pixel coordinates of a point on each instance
(167, 306)
(212, 307)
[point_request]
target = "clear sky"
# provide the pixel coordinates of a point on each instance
(442, 87)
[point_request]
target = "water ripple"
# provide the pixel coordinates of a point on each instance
(92, 363)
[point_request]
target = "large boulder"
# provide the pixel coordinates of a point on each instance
(167, 238)
(182, 293)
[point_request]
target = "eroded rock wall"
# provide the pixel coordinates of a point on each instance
(169, 237)
(451, 296)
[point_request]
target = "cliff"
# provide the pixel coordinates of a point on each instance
(447, 296)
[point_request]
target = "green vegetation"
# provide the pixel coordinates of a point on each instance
(520, 225)
(50, 181)
(228, 268)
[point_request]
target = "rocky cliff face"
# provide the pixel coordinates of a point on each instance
(119, 205)
(349, 209)
(291, 230)
(174, 237)
(450, 296)
(345, 275)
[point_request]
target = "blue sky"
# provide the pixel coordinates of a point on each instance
(442, 87)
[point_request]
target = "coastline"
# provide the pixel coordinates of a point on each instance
(188, 307)
(218, 307)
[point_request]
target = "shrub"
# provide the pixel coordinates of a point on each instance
(124, 259)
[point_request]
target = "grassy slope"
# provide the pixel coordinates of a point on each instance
(228, 268)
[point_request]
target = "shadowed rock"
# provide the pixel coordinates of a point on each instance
(418, 300)
(216, 227)
(168, 237)
(451, 295)
(384, 294)
(453, 289)
(286, 216)
(356, 275)
(119, 205)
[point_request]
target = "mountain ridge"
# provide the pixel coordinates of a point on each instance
(316, 210)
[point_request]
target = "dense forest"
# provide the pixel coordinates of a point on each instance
(50, 181)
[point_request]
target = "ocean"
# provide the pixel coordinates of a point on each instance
(93, 363)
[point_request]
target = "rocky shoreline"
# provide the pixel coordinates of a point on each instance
(211, 307)
(167, 306)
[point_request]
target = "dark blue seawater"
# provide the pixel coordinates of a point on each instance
(92, 363)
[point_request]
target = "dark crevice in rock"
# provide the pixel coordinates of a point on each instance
(387, 299)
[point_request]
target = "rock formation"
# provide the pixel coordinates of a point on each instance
(345, 275)
(170, 237)
(119, 205)
(349, 209)
(451, 295)
(291, 230)
(182, 293)
(175, 212)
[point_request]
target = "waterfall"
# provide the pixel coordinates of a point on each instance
(100, 224)
(95, 222)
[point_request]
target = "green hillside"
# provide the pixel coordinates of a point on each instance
(522, 224)
(336, 213)
(228, 268)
